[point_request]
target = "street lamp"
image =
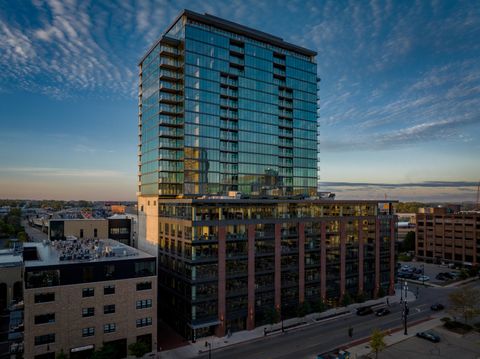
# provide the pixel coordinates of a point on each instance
(423, 274)
(209, 345)
(405, 309)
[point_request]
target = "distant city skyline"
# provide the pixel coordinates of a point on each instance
(399, 93)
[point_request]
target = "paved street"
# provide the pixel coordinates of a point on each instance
(35, 234)
(311, 340)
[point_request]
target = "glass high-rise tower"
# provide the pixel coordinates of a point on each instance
(226, 108)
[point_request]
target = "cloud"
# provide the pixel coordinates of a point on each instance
(453, 184)
(62, 172)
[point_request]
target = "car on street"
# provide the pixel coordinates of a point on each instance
(423, 278)
(429, 335)
(417, 270)
(364, 310)
(382, 312)
(436, 307)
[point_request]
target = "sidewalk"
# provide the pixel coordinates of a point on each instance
(396, 336)
(193, 349)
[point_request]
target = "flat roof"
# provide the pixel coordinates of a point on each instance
(10, 260)
(235, 28)
(269, 201)
(70, 252)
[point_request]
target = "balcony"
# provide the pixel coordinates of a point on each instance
(171, 87)
(228, 103)
(228, 146)
(171, 132)
(229, 114)
(170, 99)
(229, 125)
(285, 123)
(229, 136)
(285, 113)
(170, 121)
(172, 76)
(170, 63)
(171, 110)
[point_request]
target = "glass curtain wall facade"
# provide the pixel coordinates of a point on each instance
(224, 111)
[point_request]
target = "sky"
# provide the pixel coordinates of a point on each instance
(399, 98)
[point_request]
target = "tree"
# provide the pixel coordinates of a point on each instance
(272, 315)
(138, 349)
(22, 236)
(319, 306)
(376, 342)
(409, 242)
(465, 303)
(105, 352)
(346, 299)
(303, 309)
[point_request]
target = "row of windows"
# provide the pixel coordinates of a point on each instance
(251, 47)
(88, 292)
(203, 57)
(107, 328)
(252, 74)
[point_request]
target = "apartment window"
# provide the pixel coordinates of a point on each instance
(109, 289)
(109, 271)
(144, 322)
(81, 233)
(95, 232)
(88, 332)
(45, 318)
(44, 297)
(144, 285)
(88, 312)
(109, 309)
(109, 328)
(145, 303)
(45, 339)
(88, 292)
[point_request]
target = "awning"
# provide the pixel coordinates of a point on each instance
(204, 325)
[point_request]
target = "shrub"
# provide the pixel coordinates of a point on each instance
(445, 319)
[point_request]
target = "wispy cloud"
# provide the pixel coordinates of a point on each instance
(62, 172)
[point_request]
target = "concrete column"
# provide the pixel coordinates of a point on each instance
(343, 239)
(222, 246)
(377, 257)
(301, 262)
(360, 257)
(323, 262)
(278, 266)
(391, 290)
(251, 277)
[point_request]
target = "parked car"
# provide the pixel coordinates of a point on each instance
(382, 312)
(418, 271)
(429, 335)
(423, 278)
(364, 310)
(437, 306)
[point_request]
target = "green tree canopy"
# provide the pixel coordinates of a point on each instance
(376, 342)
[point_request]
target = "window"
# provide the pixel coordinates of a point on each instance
(81, 233)
(45, 339)
(145, 303)
(88, 312)
(95, 233)
(144, 268)
(88, 292)
(143, 322)
(45, 318)
(44, 297)
(109, 271)
(88, 332)
(144, 285)
(87, 274)
(109, 289)
(109, 328)
(109, 309)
